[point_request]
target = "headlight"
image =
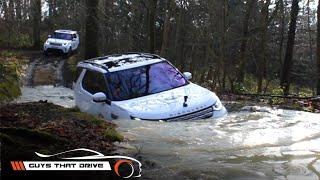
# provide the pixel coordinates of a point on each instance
(64, 44)
(135, 118)
(217, 106)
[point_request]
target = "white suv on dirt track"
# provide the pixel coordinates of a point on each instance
(63, 41)
(141, 86)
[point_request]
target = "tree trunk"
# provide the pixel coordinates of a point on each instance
(223, 43)
(18, 4)
(310, 31)
(51, 14)
(52, 8)
(318, 48)
(25, 9)
(152, 24)
(36, 20)
(282, 25)
(262, 60)
(92, 29)
(166, 29)
(243, 46)
(11, 10)
(286, 69)
(178, 42)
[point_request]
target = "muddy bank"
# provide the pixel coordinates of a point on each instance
(46, 128)
(69, 127)
(235, 102)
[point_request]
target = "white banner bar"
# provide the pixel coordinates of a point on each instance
(67, 165)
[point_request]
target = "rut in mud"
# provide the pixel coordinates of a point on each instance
(45, 71)
(44, 81)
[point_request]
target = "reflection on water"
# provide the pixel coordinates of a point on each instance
(265, 144)
(275, 144)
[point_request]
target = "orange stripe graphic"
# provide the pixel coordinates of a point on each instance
(22, 166)
(17, 165)
(13, 165)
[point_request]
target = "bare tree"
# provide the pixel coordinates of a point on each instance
(318, 48)
(282, 31)
(36, 20)
(243, 45)
(92, 29)
(264, 28)
(152, 24)
(223, 42)
(286, 69)
(166, 28)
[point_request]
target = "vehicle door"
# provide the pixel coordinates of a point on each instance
(92, 82)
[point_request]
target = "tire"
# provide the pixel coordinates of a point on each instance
(70, 51)
(45, 53)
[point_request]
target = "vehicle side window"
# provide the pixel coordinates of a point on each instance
(94, 82)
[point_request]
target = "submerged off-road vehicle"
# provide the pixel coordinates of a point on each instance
(141, 86)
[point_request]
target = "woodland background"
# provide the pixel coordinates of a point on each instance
(239, 46)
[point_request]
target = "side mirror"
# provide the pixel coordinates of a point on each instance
(187, 75)
(49, 36)
(99, 97)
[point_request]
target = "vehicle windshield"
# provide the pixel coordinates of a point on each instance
(65, 36)
(144, 80)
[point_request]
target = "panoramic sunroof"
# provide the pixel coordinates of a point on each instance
(124, 61)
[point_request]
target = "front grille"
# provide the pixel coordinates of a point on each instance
(55, 44)
(201, 114)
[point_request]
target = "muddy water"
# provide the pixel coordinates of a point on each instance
(273, 144)
(57, 95)
(43, 81)
(264, 144)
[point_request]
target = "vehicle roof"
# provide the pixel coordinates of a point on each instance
(119, 62)
(65, 31)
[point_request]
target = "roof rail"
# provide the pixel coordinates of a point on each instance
(148, 54)
(95, 64)
(105, 57)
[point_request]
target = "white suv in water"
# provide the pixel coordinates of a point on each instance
(141, 86)
(63, 41)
